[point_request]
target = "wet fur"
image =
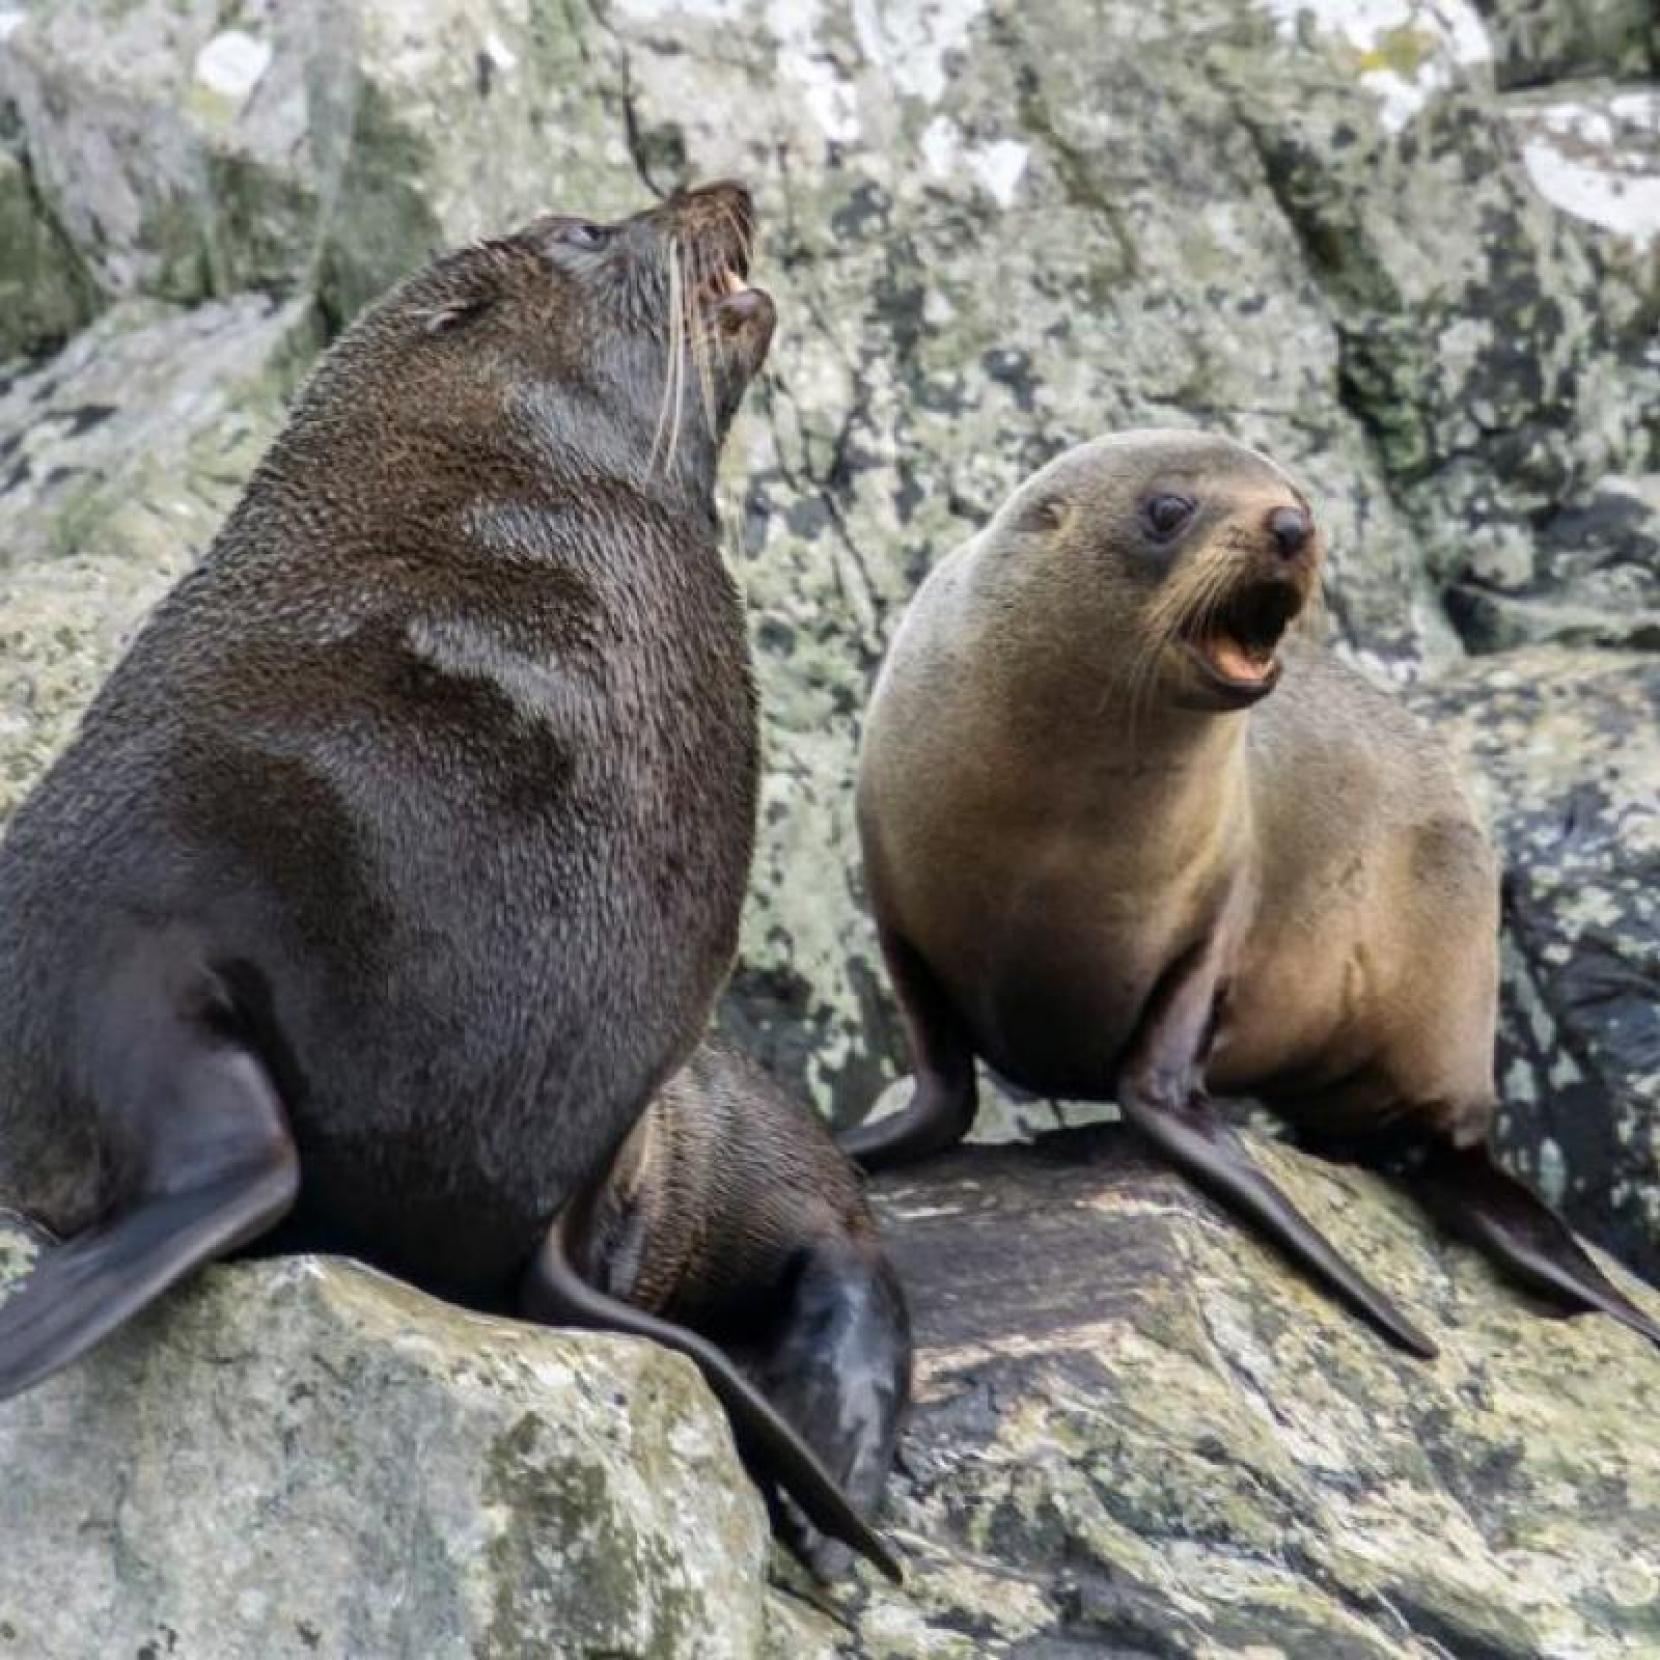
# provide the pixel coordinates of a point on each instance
(731, 1211)
(433, 786)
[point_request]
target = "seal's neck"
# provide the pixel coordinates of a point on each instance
(1179, 774)
(1174, 779)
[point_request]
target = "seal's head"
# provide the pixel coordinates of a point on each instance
(1186, 554)
(623, 346)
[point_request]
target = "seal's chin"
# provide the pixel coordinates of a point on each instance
(1234, 647)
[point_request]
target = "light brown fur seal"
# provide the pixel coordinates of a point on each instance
(1123, 841)
(399, 862)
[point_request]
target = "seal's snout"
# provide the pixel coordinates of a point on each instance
(1233, 638)
(1291, 529)
(715, 223)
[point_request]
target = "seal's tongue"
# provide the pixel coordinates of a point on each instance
(1237, 661)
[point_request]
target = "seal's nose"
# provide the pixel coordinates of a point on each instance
(1291, 529)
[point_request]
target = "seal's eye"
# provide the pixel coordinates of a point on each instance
(1166, 513)
(582, 234)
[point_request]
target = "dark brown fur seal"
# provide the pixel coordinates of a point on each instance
(400, 860)
(730, 1212)
(1123, 845)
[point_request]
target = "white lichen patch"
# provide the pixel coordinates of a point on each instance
(1405, 51)
(1598, 157)
(997, 167)
(232, 64)
(912, 42)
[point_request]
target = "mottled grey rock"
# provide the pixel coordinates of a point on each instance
(1593, 577)
(1496, 338)
(119, 458)
(306, 1459)
(1554, 40)
(187, 152)
(44, 296)
(1564, 750)
(173, 153)
(1138, 1434)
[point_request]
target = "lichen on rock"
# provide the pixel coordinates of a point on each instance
(303, 1458)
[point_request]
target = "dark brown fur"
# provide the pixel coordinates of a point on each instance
(432, 788)
(731, 1211)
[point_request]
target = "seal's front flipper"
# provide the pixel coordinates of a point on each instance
(1477, 1201)
(940, 1111)
(1209, 1153)
(80, 1292)
(211, 1163)
(839, 1366)
(554, 1293)
(1161, 1095)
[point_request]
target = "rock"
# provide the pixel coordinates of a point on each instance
(307, 142)
(44, 296)
(1593, 577)
(303, 1458)
(1555, 40)
(1496, 316)
(1564, 748)
(174, 155)
(118, 461)
(1137, 1433)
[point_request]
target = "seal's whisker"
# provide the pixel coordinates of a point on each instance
(668, 416)
(743, 233)
(708, 272)
(1185, 605)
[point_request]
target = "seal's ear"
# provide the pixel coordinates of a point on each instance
(447, 319)
(1046, 513)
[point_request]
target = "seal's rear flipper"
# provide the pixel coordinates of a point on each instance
(192, 1119)
(554, 1293)
(1473, 1198)
(80, 1292)
(840, 1361)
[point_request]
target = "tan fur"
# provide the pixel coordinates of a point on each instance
(1050, 821)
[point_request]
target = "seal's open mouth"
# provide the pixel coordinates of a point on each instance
(718, 257)
(1235, 644)
(730, 276)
